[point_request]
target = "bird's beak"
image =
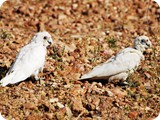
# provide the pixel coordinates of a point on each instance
(50, 41)
(149, 44)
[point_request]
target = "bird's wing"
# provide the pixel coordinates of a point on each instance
(29, 59)
(21, 55)
(125, 61)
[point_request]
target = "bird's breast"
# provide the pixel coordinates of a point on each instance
(38, 54)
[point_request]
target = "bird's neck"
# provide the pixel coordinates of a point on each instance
(139, 48)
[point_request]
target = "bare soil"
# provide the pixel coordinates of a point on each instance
(86, 33)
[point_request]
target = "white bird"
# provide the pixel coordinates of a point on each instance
(119, 67)
(30, 60)
(1, 2)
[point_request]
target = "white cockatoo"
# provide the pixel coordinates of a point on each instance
(30, 60)
(119, 67)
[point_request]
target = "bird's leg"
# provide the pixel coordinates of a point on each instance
(36, 75)
(41, 69)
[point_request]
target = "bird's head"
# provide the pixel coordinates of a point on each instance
(43, 38)
(141, 43)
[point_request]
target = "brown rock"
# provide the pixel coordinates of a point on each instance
(30, 106)
(133, 114)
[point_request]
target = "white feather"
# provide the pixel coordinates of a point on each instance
(29, 61)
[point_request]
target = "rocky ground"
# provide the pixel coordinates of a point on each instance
(86, 33)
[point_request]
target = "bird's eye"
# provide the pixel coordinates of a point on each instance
(143, 41)
(45, 37)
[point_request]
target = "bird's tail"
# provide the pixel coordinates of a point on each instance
(86, 76)
(6, 80)
(90, 75)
